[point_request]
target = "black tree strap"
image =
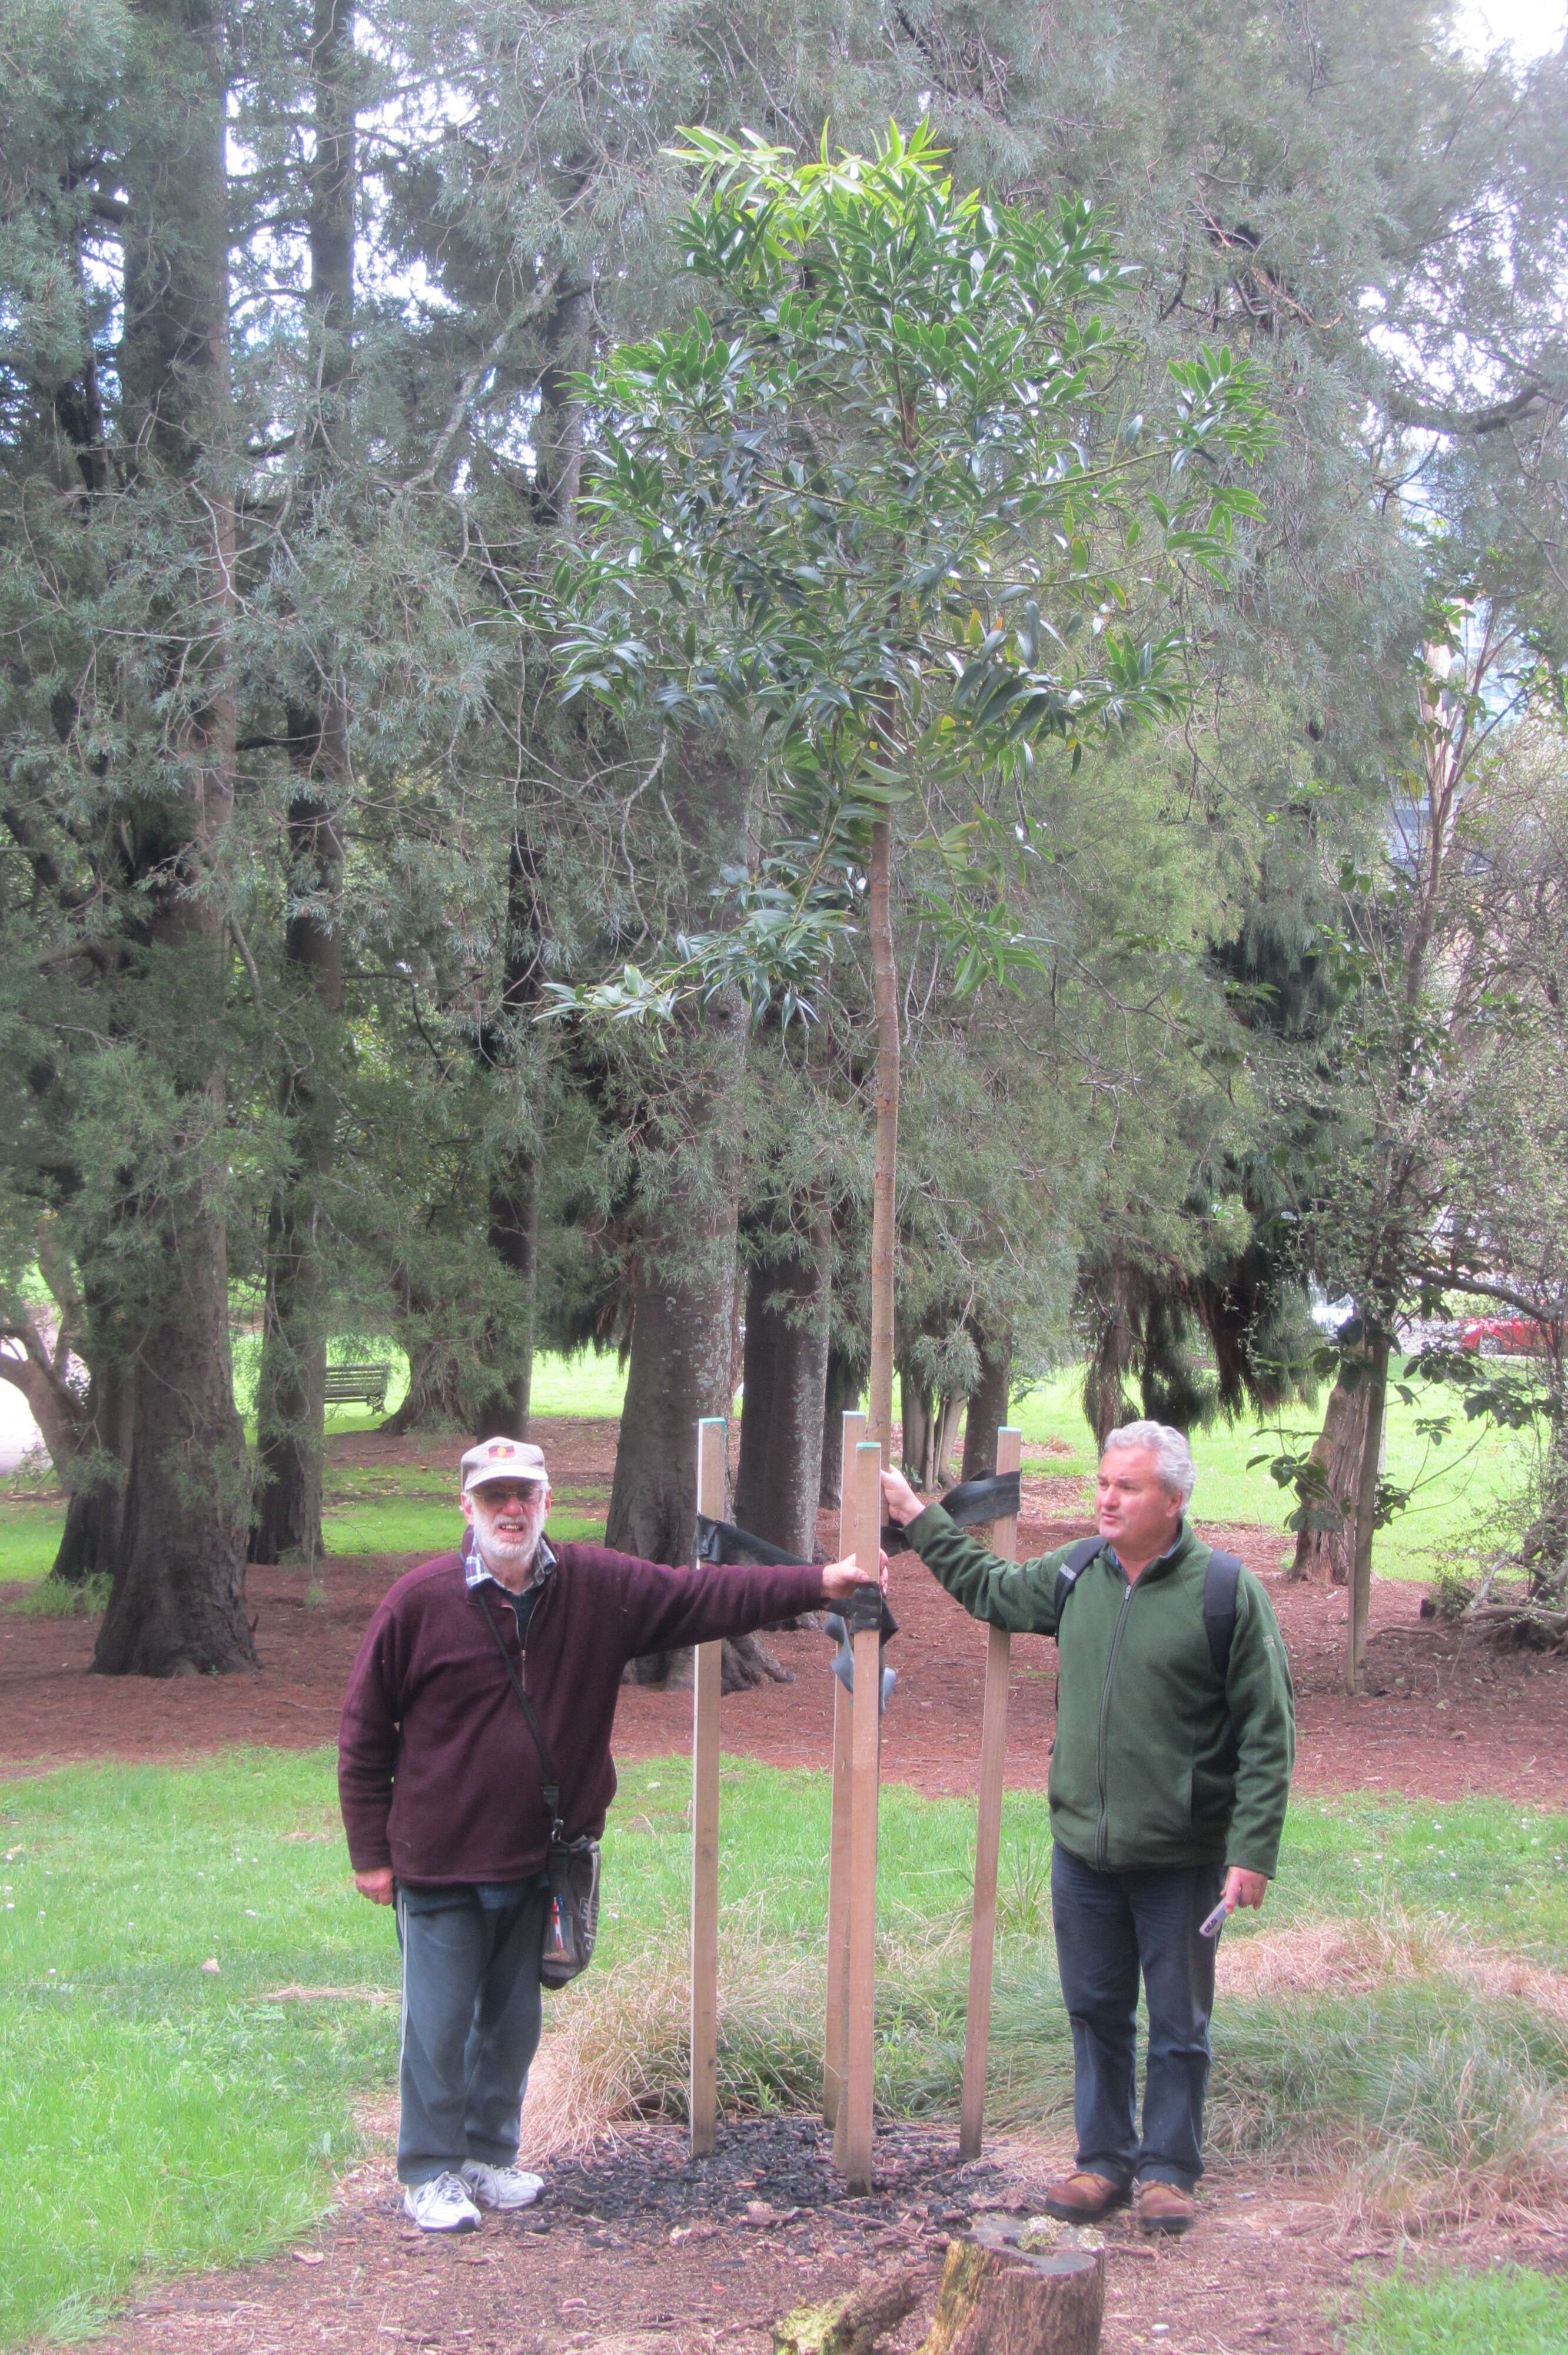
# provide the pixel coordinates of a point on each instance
(994, 1497)
(733, 1547)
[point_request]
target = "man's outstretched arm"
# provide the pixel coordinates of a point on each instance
(1020, 1597)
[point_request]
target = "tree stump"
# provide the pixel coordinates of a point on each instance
(998, 2299)
(851, 2324)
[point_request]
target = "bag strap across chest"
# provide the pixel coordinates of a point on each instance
(1221, 1580)
(551, 1788)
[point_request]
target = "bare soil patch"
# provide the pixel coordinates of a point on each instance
(1444, 1717)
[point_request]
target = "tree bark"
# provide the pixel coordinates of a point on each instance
(987, 1406)
(178, 1606)
(681, 1338)
(1324, 1553)
(789, 1302)
(884, 1180)
(996, 2300)
(290, 1410)
(97, 1476)
(1368, 1473)
(514, 1183)
(843, 1390)
(854, 2323)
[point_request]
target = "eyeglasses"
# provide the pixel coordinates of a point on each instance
(508, 1492)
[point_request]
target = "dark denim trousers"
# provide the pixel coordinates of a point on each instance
(471, 2025)
(1110, 1927)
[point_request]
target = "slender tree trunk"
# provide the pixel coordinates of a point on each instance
(290, 1402)
(1366, 1510)
(789, 1302)
(1324, 1552)
(987, 1406)
(885, 1181)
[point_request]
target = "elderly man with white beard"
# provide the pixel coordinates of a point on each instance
(442, 1782)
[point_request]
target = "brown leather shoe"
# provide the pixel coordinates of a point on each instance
(1164, 2206)
(1079, 2199)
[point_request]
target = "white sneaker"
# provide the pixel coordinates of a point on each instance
(501, 2187)
(441, 2205)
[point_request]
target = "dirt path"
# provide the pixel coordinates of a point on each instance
(639, 2252)
(1442, 1718)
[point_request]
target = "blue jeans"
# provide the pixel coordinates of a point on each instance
(470, 2024)
(1110, 1926)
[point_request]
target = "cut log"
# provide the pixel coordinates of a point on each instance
(996, 2299)
(851, 2325)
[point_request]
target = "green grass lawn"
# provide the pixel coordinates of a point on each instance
(197, 2117)
(1508, 2312)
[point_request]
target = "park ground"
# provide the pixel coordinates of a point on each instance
(1391, 2128)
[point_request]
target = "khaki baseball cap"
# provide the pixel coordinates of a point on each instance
(501, 1459)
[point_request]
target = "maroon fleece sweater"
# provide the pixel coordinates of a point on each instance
(437, 1771)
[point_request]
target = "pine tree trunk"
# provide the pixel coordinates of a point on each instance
(95, 1506)
(435, 1399)
(988, 1406)
(514, 1184)
(683, 1324)
(503, 1412)
(178, 1606)
(843, 1393)
(290, 1402)
(784, 1378)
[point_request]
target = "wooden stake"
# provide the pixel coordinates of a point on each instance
(987, 1836)
(712, 1464)
(854, 2119)
(839, 1840)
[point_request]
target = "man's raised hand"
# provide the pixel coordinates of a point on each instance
(903, 1504)
(839, 1579)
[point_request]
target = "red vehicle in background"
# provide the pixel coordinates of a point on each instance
(1504, 1337)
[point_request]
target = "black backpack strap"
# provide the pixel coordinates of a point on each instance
(1079, 1557)
(1221, 1580)
(551, 1787)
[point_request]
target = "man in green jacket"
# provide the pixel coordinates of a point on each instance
(1170, 1777)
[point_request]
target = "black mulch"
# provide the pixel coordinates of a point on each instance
(766, 2172)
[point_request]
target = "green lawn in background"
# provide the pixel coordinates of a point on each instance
(403, 1509)
(29, 1537)
(194, 2119)
(1461, 1480)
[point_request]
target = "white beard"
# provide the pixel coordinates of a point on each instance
(500, 1551)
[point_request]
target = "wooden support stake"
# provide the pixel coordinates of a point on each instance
(854, 2120)
(838, 1839)
(712, 1464)
(987, 1836)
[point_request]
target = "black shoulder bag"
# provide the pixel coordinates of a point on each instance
(571, 1865)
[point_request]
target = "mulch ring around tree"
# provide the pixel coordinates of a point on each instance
(637, 2249)
(1443, 1714)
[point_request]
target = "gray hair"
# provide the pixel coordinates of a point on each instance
(1172, 1456)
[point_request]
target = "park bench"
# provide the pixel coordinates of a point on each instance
(347, 1385)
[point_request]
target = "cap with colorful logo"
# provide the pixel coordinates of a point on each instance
(501, 1459)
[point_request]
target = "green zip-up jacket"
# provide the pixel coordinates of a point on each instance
(1156, 1762)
